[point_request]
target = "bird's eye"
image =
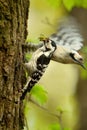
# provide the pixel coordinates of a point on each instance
(81, 59)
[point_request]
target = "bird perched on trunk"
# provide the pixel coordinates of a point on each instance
(38, 64)
(61, 46)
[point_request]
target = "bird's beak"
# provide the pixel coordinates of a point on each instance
(79, 59)
(83, 66)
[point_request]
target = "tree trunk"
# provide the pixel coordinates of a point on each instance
(81, 15)
(13, 24)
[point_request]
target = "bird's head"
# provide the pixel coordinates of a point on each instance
(77, 58)
(48, 44)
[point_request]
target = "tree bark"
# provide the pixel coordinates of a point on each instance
(81, 15)
(13, 32)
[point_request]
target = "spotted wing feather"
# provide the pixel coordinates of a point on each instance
(68, 34)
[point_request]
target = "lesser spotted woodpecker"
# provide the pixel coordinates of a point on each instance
(38, 64)
(61, 46)
(68, 41)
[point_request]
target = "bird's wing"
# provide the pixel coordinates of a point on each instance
(68, 34)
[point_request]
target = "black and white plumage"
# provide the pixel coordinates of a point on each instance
(61, 47)
(68, 40)
(68, 34)
(38, 64)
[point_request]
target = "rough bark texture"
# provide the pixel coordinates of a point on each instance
(81, 15)
(13, 23)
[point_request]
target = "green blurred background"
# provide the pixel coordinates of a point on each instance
(60, 81)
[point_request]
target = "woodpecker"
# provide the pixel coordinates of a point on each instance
(38, 64)
(61, 46)
(69, 41)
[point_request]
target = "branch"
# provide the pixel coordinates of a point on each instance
(30, 47)
(59, 117)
